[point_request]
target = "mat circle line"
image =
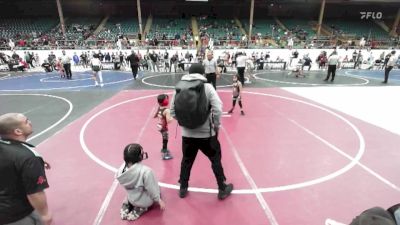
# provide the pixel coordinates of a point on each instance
(366, 81)
(66, 88)
(172, 87)
(71, 106)
(311, 182)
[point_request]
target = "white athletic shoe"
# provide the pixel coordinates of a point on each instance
(101, 85)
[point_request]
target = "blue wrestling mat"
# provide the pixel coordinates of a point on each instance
(41, 81)
(394, 75)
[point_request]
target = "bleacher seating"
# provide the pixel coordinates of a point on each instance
(80, 28)
(261, 26)
(357, 28)
(45, 33)
(117, 25)
(221, 29)
(25, 28)
(302, 29)
(169, 27)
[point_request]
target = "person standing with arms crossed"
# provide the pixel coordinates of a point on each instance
(22, 196)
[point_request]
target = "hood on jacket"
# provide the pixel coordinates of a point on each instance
(194, 76)
(130, 176)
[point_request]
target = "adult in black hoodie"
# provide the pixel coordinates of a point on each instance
(134, 61)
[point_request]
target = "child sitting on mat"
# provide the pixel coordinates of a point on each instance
(140, 183)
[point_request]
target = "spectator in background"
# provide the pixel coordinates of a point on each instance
(75, 58)
(11, 44)
(47, 66)
(290, 43)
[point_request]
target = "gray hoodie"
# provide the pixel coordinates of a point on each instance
(140, 183)
(216, 107)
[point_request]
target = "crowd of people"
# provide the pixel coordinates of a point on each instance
(224, 33)
(197, 134)
(298, 61)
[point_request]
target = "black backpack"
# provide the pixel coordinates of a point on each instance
(192, 108)
(374, 216)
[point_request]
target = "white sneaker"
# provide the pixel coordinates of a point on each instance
(96, 84)
(101, 85)
(124, 214)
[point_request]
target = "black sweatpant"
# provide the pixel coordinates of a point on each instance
(387, 71)
(134, 70)
(211, 148)
(67, 69)
(241, 74)
(212, 79)
(331, 70)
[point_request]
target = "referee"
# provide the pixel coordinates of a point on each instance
(211, 69)
(332, 63)
(389, 66)
(66, 61)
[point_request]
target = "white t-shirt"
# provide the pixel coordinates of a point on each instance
(65, 59)
(392, 61)
(333, 60)
(95, 62)
(241, 61)
(209, 65)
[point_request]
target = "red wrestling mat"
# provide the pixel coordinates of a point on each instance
(291, 161)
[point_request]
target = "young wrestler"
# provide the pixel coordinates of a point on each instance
(236, 94)
(164, 117)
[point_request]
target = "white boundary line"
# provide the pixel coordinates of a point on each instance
(47, 79)
(24, 75)
(255, 189)
(333, 175)
(5, 77)
(366, 81)
(267, 210)
(347, 156)
(56, 123)
(171, 74)
(64, 88)
(372, 78)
